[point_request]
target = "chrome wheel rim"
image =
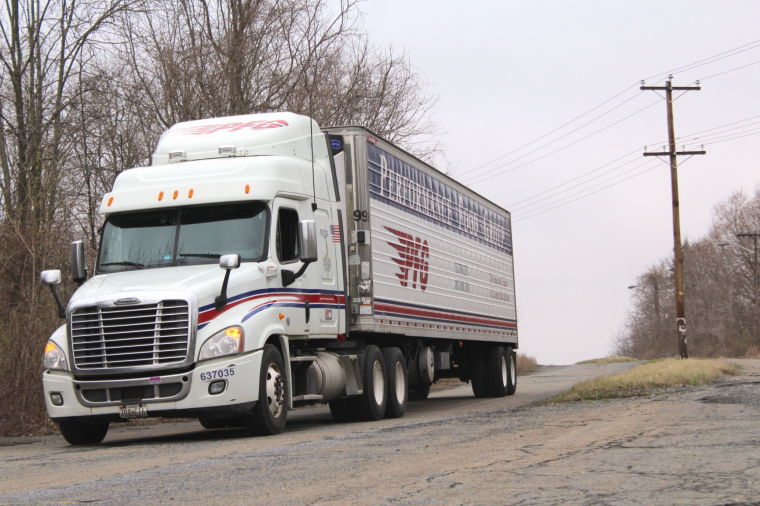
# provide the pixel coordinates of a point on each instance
(275, 390)
(513, 371)
(378, 382)
(504, 371)
(400, 383)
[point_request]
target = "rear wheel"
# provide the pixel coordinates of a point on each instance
(512, 376)
(396, 384)
(498, 370)
(479, 373)
(271, 411)
(83, 433)
(371, 404)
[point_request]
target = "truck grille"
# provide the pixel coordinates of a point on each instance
(130, 336)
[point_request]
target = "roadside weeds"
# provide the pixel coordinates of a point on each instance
(646, 378)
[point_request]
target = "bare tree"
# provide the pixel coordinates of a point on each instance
(724, 318)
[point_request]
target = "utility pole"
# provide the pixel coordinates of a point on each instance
(678, 249)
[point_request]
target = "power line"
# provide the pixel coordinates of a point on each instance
(683, 68)
(509, 206)
(533, 214)
(484, 177)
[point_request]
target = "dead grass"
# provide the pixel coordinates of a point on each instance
(608, 360)
(752, 352)
(526, 364)
(643, 379)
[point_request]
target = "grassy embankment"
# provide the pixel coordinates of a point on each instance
(644, 379)
(608, 360)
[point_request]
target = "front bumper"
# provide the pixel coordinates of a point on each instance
(186, 394)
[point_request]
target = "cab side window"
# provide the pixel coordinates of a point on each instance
(287, 235)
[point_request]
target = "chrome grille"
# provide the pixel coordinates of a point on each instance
(130, 336)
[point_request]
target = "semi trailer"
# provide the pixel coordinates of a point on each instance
(262, 263)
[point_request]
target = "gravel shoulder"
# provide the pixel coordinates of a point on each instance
(696, 445)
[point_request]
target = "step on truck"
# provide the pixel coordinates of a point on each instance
(261, 263)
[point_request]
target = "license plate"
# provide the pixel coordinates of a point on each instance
(133, 411)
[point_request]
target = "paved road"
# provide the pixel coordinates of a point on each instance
(699, 446)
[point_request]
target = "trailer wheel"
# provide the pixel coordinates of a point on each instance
(397, 384)
(371, 405)
(83, 433)
(271, 411)
(512, 378)
(499, 370)
(479, 373)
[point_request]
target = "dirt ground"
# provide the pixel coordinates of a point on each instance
(696, 445)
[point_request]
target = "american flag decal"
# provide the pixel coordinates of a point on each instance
(335, 233)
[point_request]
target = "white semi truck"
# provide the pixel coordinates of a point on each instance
(262, 263)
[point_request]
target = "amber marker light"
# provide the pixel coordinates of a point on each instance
(50, 346)
(160, 196)
(190, 193)
(110, 201)
(247, 189)
(281, 316)
(176, 194)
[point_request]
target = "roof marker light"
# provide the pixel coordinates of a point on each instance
(160, 196)
(176, 194)
(177, 156)
(227, 150)
(247, 189)
(190, 193)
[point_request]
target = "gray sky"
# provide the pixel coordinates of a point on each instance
(509, 72)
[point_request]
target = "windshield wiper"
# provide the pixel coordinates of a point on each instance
(125, 262)
(201, 255)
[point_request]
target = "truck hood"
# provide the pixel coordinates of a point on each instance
(205, 281)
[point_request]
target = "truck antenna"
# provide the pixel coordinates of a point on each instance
(313, 178)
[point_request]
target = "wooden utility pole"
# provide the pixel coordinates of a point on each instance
(678, 249)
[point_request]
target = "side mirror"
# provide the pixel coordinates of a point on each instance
(307, 240)
(52, 278)
(78, 265)
(226, 262)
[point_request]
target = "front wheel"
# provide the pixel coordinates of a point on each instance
(83, 433)
(271, 411)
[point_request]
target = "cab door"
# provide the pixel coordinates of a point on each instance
(291, 301)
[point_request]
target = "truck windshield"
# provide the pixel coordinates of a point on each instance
(183, 236)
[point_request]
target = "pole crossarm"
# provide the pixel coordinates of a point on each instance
(677, 153)
(674, 88)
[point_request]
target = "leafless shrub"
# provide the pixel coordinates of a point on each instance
(526, 364)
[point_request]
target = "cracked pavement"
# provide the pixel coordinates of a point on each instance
(695, 445)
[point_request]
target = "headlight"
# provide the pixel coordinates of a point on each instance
(226, 342)
(54, 357)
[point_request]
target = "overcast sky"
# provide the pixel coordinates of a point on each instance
(507, 73)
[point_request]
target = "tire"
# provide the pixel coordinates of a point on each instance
(396, 384)
(371, 404)
(342, 409)
(479, 373)
(83, 433)
(498, 365)
(419, 391)
(512, 376)
(271, 411)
